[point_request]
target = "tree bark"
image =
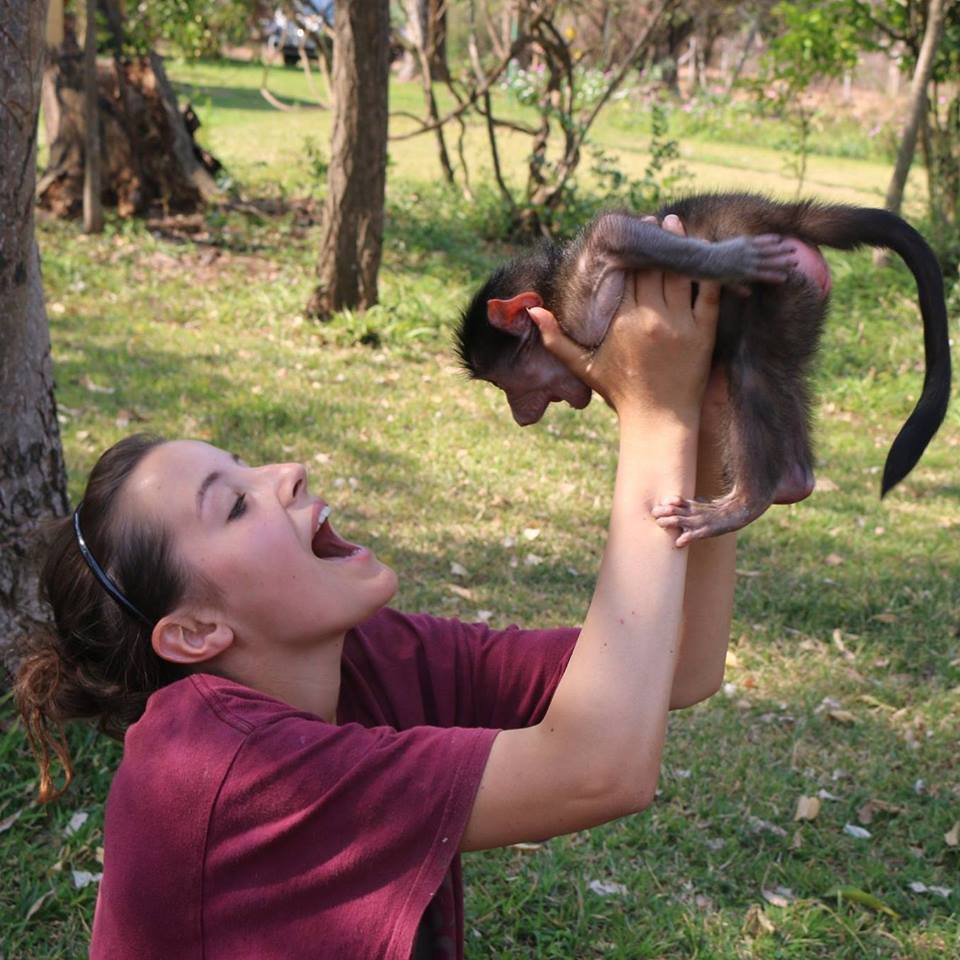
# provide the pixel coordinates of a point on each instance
(92, 200)
(437, 40)
(352, 230)
(32, 476)
(918, 105)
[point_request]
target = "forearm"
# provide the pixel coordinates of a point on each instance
(609, 710)
(708, 597)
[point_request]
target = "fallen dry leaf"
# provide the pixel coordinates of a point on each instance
(825, 485)
(871, 808)
(779, 896)
(7, 822)
(833, 559)
(807, 808)
(83, 878)
(526, 847)
(85, 381)
(852, 830)
(918, 887)
(756, 922)
(607, 888)
(885, 617)
(463, 592)
(765, 826)
(76, 822)
(458, 569)
(842, 716)
(38, 903)
(872, 701)
(952, 837)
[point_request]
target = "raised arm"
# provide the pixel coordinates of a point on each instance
(711, 567)
(711, 572)
(596, 754)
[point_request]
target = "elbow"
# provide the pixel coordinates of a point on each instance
(701, 688)
(618, 792)
(632, 791)
(681, 699)
(638, 795)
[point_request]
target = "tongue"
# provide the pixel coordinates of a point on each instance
(327, 544)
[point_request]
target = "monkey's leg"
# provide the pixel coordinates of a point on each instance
(763, 454)
(634, 244)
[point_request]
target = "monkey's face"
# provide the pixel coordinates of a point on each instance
(536, 380)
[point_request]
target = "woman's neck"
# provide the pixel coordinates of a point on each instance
(307, 678)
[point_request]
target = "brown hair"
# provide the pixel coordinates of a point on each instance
(98, 661)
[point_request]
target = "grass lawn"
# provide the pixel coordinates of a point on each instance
(844, 673)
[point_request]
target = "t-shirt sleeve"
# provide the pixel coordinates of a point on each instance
(504, 678)
(356, 827)
(515, 672)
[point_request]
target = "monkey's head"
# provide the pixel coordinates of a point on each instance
(497, 341)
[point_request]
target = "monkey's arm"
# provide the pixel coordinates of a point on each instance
(711, 572)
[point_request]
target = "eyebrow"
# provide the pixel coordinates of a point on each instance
(210, 479)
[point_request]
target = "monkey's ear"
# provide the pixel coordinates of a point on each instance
(511, 315)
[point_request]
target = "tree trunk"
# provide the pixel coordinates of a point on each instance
(147, 153)
(437, 40)
(92, 199)
(918, 105)
(32, 477)
(352, 230)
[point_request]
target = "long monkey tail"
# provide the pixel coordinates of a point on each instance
(850, 227)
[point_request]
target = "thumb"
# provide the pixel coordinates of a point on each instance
(570, 353)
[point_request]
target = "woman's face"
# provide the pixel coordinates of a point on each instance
(262, 539)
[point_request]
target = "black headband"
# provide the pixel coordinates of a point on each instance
(101, 575)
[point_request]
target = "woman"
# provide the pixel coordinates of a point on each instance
(302, 765)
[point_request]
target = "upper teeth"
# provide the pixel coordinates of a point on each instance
(321, 518)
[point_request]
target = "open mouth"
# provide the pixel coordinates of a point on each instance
(326, 545)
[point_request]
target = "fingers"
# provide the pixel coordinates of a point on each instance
(574, 356)
(647, 285)
(706, 307)
(677, 289)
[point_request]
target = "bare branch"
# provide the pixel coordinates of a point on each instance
(488, 81)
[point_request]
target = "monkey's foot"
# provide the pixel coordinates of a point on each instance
(697, 519)
(768, 258)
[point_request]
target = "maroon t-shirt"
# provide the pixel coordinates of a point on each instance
(238, 827)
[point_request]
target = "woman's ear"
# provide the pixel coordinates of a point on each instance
(184, 638)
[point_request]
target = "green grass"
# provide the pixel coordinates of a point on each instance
(841, 597)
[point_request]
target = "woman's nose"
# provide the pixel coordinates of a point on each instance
(291, 481)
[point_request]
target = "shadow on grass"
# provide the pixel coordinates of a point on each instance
(240, 98)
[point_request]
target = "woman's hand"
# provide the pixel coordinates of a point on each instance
(656, 354)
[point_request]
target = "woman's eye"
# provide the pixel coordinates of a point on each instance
(239, 507)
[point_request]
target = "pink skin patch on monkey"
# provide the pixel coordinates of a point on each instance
(811, 264)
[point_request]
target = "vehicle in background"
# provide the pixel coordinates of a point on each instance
(297, 26)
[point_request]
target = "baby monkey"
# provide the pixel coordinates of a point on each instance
(772, 310)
